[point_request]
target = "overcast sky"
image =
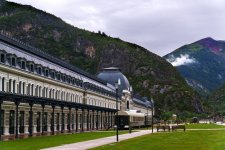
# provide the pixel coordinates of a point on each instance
(161, 26)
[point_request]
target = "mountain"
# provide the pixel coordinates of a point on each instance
(217, 100)
(201, 63)
(149, 74)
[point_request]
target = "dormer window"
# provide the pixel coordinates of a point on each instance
(46, 72)
(53, 74)
(2, 59)
(39, 69)
(23, 65)
(58, 76)
(13, 61)
(32, 67)
(68, 79)
(64, 78)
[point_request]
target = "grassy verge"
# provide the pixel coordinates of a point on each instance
(37, 143)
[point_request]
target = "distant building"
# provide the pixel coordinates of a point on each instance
(43, 95)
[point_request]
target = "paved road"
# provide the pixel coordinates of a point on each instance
(99, 142)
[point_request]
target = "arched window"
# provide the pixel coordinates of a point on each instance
(24, 84)
(3, 84)
(14, 86)
(10, 85)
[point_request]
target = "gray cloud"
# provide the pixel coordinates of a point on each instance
(158, 25)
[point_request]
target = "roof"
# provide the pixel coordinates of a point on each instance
(26, 47)
(143, 101)
(111, 75)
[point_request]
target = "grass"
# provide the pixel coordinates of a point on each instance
(204, 126)
(37, 143)
(189, 140)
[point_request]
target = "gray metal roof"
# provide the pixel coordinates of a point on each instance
(26, 47)
(111, 76)
(143, 101)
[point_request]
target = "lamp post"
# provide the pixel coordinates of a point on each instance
(117, 122)
(147, 117)
(152, 114)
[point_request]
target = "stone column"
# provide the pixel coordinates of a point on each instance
(34, 127)
(49, 122)
(6, 122)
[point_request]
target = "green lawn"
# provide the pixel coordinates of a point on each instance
(37, 143)
(204, 126)
(189, 140)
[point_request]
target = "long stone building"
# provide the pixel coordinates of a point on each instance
(43, 95)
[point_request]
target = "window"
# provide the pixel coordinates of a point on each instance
(39, 70)
(68, 80)
(14, 86)
(46, 72)
(13, 61)
(2, 59)
(57, 121)
(58, 76)
(23, 66)
(11, 121)
(3, 84)
(45, 121)
(24, 84)
(32, 89)
(31, 67)
(63, 122)
(53, 74)
(20, 87)
(38, 121)
(21, 122)
(2, 122)
(10, 85)
(64, 78)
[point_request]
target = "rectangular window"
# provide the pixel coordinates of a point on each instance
(45, 121)
(2, 122)
(57, 121)
(11, 121)
(21, 122)
(38, 121)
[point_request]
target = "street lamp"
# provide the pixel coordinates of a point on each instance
(152, 113)
(117, 84)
